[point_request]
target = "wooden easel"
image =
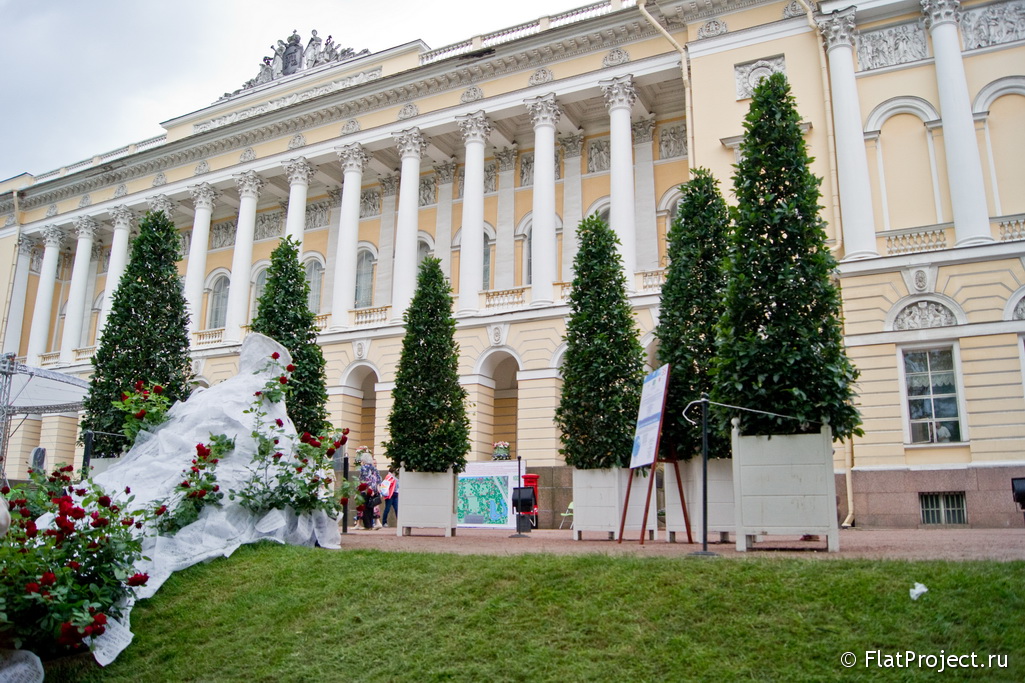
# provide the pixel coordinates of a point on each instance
(646, 422)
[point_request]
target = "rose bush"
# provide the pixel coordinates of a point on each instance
(198, 487)
(145, 406)
(66, 565)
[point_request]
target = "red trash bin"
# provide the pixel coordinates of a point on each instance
(531, 481)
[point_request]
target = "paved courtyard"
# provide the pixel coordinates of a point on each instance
(906, 544)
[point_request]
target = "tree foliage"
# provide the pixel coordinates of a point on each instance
(602, 370)
(145, 336)
(284, 315)
(780, 338)
(428, 425)
(690, 309)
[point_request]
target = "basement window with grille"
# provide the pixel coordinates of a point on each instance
(943, 508)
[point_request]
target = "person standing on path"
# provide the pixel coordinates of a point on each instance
(390, 491)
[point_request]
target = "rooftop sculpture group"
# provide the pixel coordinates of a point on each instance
(290, 57)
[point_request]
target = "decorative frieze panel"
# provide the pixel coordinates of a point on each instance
(268, 225)
(428, 191)
(598, 155)
(527, 168)
(1002, 22)
(121, 191)
(201, 168)
(408, 111)
(712, 28)
(573, 145)
(350, 126)
(248, 154)
(750, 74)
(85, 201)
(615, 57)
(159, 179)
(298, 140)
(541, 76)
(51, 211)
(672, 141)
(792, 10)
(318, 214)
(1019, 310)
(369, 203)
(223, 234)
(924, 314)
(490, 177)
(184, 243)
(891, 45)
(472, 94)
(9, 220)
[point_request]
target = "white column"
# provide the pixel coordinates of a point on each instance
(572, 200)
(475, 129)
(859, 226)
(411, 146)
(386, 248)
(504, 263)
(90, 295)
(644, 194)
(544, 114)
(39, 333)
(85, 227)
(249, 185)
(443, 227)
(123, 220)
(16, 311)
(203, 197)
(619, 98)
(300, 173)
(354, 160)
(964, 166)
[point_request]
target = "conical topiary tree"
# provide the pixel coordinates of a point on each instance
(690, 309)
(780, 339)
(283, 314)
(145, 336)
(428, 426)
(602, 369)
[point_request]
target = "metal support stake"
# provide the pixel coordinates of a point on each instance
(704, 481)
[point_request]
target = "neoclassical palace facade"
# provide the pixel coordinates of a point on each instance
(487, 154)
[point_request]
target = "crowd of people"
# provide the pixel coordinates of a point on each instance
(377, 493)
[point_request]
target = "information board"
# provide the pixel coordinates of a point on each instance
(649, 418)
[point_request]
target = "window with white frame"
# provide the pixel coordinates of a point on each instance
(930, 381)
(315, 278)
(487, 261)
(423, 250)
(259, 284)
(365, 279)
(217, 305)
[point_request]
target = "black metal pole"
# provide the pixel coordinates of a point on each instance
(345, 506)
(704, 473)
(87, 451)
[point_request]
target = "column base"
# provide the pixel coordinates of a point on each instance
(858, 255)
(974, 241)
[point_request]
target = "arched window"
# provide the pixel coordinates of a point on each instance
(365, 264)
(315, 278)
(217, 304)
(423, 250)
(259, 284)
(528, 257)
(487, 261)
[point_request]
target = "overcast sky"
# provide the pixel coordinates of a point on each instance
(86, 77)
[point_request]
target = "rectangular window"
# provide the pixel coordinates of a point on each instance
(943, 508)
(931, 385)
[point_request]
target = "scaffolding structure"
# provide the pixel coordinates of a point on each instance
(25, 390)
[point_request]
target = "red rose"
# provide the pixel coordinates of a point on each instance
(194, 469)
(361, 488)
(74, 566)
(138, 579)
(283, 379)
(76, 513)
(139, 385)
(5, 490)
(100, 619)
(275, 355)
(47, 579)
(32, 587)
(329, 452)
(345, 431)
(217, 487)
(161, 510)
(361, 508)
(141, 414)
(25, 512)
(79, 492)
(127, 521)
(315, 443)
(128, 490)
(290, 367)
(184, 484)
(124, 396)
(298, 469)
(104, 501)
(30, 529)
(279, 422)
(101, 522)
(157, 389)
(258, 393)
(345, 500)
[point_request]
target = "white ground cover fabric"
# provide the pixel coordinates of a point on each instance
(154, 466)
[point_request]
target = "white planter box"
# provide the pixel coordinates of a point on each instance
(785, 485)
(598, 499)
(101, 465)
(720, 498)
(428, 502)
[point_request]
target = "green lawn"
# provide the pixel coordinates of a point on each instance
(277, 613)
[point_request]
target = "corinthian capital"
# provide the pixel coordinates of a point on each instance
(940, 11)
(619, 92)
(249, 184)
(299, 170)
(353, 157)
(411, 143)
(544, 110)
(52, 236)
(85, 227)
(162, 202)
(123, 217)
(837, 28)
(203, 195)
(475, 127)
(26, 245)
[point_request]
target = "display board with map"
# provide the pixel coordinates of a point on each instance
(484, 494)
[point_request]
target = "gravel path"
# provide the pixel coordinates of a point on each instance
(905, 544)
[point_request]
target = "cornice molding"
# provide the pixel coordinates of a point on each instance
(433, 79)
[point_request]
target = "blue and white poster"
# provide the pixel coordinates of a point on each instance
(649, 418)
